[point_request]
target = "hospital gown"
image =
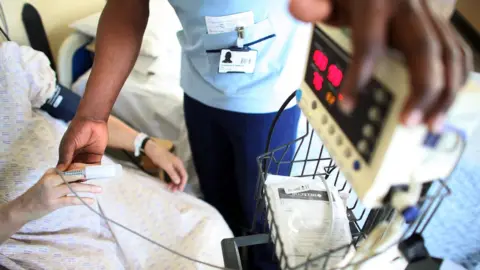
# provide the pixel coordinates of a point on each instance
(75, 237)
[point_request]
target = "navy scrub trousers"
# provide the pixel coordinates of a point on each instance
(225, 146)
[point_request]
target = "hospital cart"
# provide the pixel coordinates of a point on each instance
(312, 159)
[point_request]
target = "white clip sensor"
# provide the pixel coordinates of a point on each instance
(97, 171)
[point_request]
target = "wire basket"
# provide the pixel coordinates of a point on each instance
(311, 159)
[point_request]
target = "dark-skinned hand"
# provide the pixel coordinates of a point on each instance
(437, 58)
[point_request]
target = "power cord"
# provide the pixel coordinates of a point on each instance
(5, 34)
(60, 173)
(4, 22)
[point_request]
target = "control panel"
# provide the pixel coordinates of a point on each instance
(326, 66)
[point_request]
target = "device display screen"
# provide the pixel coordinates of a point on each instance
(327, 65)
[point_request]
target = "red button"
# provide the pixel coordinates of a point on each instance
(317, 81)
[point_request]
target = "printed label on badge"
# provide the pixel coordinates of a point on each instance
(237, 61)
(224, 24)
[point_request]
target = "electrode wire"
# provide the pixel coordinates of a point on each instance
(136, 233)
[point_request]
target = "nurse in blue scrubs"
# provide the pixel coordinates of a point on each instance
(243, 58)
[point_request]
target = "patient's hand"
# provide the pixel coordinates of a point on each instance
(49, 194)
(170, 163)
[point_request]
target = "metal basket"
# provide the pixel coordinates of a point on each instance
(312, 159)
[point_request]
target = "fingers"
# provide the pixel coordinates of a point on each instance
(51, 178)
(63, 190)
(437, 60)
(369, 22)
(177, 174)
(172, 172)
(416, 38)
(453, 71)
(311, 10)
(76, 166)
(466, 57)
(180, 168)
(88, 158)
(72, 201)
(59, 180)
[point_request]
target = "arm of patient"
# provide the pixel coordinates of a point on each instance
(121, 136)
(46, 196)
(10, 222)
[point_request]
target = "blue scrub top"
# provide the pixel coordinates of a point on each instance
(281, 42)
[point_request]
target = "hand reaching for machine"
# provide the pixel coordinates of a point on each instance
(438, 60)
(84, 141)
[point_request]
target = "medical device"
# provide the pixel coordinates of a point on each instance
(373, 150)
(62, 104)
(97, 171)
(385, 167)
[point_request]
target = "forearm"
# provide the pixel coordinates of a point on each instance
(10, 222)
(120, 135)
(119, 37)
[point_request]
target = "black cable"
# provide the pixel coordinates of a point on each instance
(5, 34)
(275, 120)
(4, 21)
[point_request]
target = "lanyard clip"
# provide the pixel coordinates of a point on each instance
(240, 36)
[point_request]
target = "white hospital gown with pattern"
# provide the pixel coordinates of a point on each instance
(69, 238)
(74, 237)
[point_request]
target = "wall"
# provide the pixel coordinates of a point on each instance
(58, 14)
(470, 9)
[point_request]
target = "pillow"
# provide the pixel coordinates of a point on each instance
(162, 25)
(26, 78)
(145, 65)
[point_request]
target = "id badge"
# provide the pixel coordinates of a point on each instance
(237, 61)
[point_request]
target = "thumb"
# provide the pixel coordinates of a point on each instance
(173, 175)
(310, 10)
(65, 155)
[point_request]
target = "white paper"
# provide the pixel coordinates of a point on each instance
(304, 218)
(224, 24)
(237, 61)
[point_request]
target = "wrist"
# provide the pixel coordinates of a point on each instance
(11, 212)
(139, 143)
(150, 147)
(92, 109)
(91, 117)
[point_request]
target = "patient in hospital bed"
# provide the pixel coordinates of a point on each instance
(40, 228)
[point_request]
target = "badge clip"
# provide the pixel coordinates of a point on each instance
(240, 36)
